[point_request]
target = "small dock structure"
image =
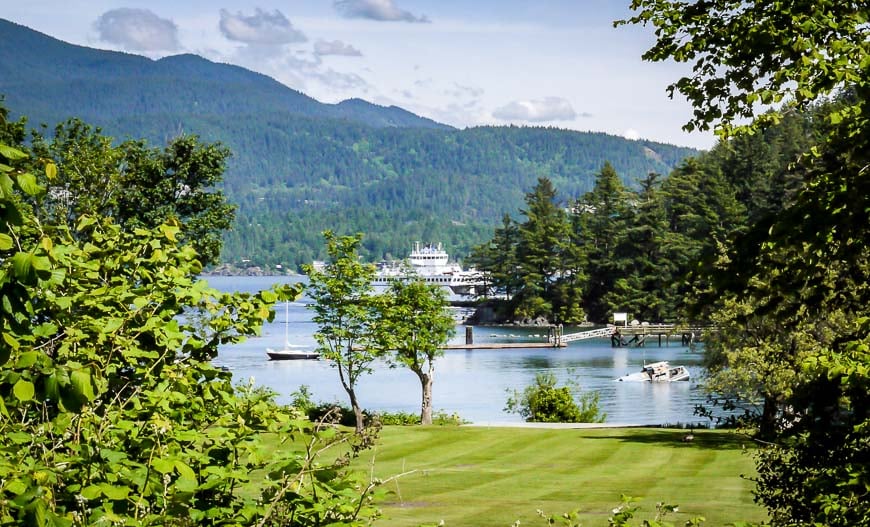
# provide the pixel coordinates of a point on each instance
(633, 335)
(470, 345)
(620, 336)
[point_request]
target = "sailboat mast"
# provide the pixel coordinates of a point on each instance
(286, 322)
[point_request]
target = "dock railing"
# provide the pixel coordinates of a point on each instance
(633, 334)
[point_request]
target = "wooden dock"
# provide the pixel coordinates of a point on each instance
(627, 336)
(620, 337)
(504, 345)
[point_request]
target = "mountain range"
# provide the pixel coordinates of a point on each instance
(300, 166)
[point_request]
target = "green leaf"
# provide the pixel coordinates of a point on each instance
(22, 267)
(163, 465)
(112, 456)
(45, 330)
(81, 381)
(5, 186)
(19, 438)
(85, 222)
(184, 471)
(52, 388)
(35, 512)
(111, 325)
(6, 242)
(51, 171)
(91, 492)
(11, 341)
(115, 492)
(269, 296)
(169, 231)
(27, 183)
(16, 486)
(27, 359)
(12, 154)
(23, 390)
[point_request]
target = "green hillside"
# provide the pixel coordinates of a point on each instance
(300, 166)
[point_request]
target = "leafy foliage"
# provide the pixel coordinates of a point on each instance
(746, 52)
(791, 293)
(414, 324)
(345, 310)
(138, 186)
(544, 402)
(110, 409)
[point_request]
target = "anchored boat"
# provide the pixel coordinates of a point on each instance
(658, 372)
(290, 351)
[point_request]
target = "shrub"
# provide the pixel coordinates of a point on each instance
(111, 411)
(544, 402)
(337, 413)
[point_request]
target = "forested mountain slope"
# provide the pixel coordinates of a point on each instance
(300, 166)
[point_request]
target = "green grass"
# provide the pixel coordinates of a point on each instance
(468, 476)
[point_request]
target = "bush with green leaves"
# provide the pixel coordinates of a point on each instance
(110, 409)
(544, 402)
(318, 411)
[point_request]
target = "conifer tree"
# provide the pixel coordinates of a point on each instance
(543, 239)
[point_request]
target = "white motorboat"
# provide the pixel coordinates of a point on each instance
(290, 351)
(658, 372)
(431, 263)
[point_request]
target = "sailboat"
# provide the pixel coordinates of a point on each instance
(290, 351)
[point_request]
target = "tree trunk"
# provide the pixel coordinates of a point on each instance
(767, 426)
(357, 411)
(426, 381)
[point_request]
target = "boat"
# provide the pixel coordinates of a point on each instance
(658, 372)
(430, 262)
(290, 351)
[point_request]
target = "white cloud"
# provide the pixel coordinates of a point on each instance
(459, 90)
(261, 28)
(632, 134)
(300, 73)
(335, 47)
(137, 30)
(536, 111)
(380, 10)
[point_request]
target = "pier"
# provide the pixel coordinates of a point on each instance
(620, 337)
(503, 345)
(551, 342)
(633, 335)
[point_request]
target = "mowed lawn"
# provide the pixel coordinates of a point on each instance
(469, 476)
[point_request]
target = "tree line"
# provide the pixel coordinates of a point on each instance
(644, 249)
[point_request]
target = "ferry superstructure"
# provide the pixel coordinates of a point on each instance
(431, 263)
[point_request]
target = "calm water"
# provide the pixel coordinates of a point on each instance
(471, 383)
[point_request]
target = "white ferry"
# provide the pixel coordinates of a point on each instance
(431, 263)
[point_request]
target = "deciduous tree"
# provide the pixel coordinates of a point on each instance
(137, 185)
(807, 279)
(111, 410)
(345, 311)
(415, 325)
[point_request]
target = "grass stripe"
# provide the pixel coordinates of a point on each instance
(495, 476)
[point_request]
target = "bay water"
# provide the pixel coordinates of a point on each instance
(471, 383)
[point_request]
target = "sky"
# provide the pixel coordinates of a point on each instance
(555, 63)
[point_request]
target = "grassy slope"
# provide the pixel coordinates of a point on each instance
(481, 477)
